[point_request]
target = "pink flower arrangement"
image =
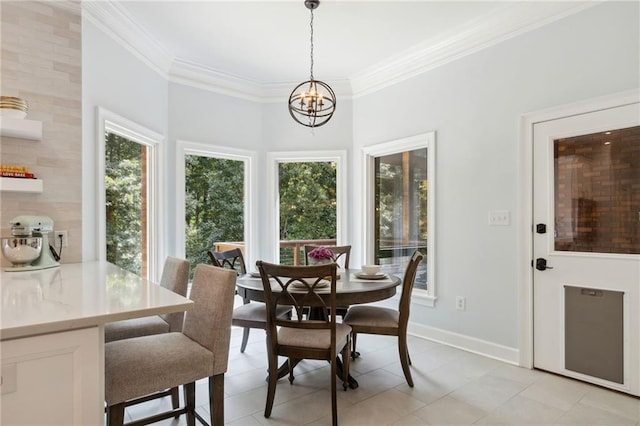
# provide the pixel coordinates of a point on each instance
(321, 253)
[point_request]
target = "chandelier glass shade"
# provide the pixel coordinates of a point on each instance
(312, 102)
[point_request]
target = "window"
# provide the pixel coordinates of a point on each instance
(307, 207)
(128, 196)
(399, 201)
(308, 193)
(214, 199)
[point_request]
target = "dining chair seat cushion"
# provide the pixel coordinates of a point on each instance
(180, 359)
(317, 339)
(372, 316)
(256, 311)
(135, 327)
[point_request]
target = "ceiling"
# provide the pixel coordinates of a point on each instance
(253, 46)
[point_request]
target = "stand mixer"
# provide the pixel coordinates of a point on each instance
(28, 248)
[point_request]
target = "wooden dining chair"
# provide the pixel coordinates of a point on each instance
(175, 277)
(249, 315)
(342, 255)
(379, 320)
(299, 337)
(232, 259)
(137, 368)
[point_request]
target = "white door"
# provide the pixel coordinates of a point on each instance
(587, 230)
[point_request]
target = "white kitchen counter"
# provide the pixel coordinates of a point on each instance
(52, 338)
(78, 295)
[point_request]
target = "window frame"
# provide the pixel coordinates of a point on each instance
(113, 123)
(369, 153)
(250, 160)
(273, 208)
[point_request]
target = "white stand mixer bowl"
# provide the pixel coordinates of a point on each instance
(21, 251)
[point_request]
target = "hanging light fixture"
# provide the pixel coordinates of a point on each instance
(313, 102)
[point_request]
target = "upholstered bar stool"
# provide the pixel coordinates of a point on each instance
(175, 277)
(141, 366)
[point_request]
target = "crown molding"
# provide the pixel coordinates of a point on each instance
(201, 77)
(118, 24)
(506, 22)
(198, 76)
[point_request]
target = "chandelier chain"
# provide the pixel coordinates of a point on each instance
(312, 102)
(311, 25)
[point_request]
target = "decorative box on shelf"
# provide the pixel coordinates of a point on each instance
(20, 128)
(20, 185)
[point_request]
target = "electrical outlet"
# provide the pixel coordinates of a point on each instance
(460, 303)
(56, 242)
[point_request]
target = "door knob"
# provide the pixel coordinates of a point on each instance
(541, 264)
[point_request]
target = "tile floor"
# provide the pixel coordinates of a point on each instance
(452, 387)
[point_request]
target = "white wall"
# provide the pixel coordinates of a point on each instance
(114, 79)
(474, 104)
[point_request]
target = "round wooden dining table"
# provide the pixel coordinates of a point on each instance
(350, 290)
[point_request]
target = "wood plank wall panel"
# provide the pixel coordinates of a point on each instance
(41, 62)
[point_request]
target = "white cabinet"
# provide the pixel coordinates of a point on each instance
(53, 379)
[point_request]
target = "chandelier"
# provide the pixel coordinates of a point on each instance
(313, 102)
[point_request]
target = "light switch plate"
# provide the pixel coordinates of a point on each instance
(499, 218)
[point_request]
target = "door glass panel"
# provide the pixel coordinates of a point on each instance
(214, 207)
(597, 192)
(401, 211)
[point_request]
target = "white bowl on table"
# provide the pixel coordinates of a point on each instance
(370, 269)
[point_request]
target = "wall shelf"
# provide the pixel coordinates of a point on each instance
(21, 128)
(21, 185)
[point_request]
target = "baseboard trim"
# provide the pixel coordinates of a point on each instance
(467, 343)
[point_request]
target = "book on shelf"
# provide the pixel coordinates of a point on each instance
(17, 175)
(13, 168)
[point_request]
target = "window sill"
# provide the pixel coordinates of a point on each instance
(424, 299)
(419, 297)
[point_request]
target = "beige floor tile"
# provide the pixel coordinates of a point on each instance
(488, 392)
(245, 404)
(519, 374)
(618, 403)
(305, 409)
(385, 408)
(409, 420)
(586, 415)
(371, 384)
(522, 411)
(374, 360)
(474, 366)
(244, 421)
(449, 411)
(433, 385)
(556, 391)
